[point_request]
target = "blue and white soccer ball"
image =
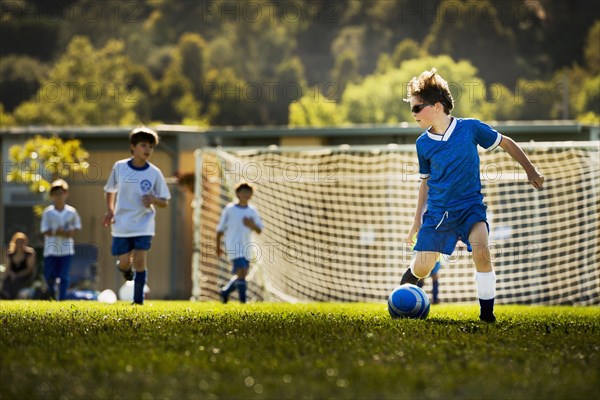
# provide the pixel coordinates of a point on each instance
(408, 301)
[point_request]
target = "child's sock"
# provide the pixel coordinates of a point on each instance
(242, 286)
(486, 291)
(139, 281)
(435, 290)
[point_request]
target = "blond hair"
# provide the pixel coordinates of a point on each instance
(12, 246)
(431, 88)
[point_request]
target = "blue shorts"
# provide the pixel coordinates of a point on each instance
(441, 230)
(123, 245)
(240, 263)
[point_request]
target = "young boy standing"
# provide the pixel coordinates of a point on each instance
(60, 221)
(237, 223)
(450, 204)
(138, 186)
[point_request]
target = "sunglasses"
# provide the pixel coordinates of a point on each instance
(419, 107)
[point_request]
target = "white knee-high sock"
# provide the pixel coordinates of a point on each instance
(486, 285)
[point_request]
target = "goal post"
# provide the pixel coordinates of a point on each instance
(336, 219)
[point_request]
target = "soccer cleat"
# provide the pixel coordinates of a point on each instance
(128, 274)
(486, 312)
(491, 318)
(408, 277)
(224, 297)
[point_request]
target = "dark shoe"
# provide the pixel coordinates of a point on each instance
(128, 275)
(408, 277)
(224, 297)
(491, 318)
(486, 312)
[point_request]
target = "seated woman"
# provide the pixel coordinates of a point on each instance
(20, 266)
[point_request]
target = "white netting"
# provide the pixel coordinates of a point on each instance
(336, 218)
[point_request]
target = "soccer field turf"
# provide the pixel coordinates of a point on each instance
(181, 350)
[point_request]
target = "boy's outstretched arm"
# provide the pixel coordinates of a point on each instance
(533, 176)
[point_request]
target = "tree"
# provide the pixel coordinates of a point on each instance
(20, 79)
(181, 89)
(232, 101)
(588, 101)
(592, 49)
(86, 86)
(291, 86)
(379, 98)
(470, 31)
(39, 161)
(191, 51)
(262, 64)
(537, 99)
(174, 99)
(406, 50)
(314, 109)
(345, 71)
(5, 118)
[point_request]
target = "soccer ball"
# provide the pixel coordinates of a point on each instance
(408, 301)
(107, 296)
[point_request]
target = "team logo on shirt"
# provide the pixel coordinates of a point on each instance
(145, 185)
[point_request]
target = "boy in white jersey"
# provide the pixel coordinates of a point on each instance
(137, 186)
(237, 223)
(60, 221)
(450, 204)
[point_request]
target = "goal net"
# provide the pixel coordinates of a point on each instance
(336, 219)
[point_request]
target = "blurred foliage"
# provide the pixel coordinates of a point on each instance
(379, 97)
(315, 109)
(236, 62)
(471, 31)
(86, 86)
(40, 161)
(5, 118)
(20, 78)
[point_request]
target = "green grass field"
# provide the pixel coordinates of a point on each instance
(184, 350)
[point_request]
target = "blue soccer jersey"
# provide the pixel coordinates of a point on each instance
(451, 163)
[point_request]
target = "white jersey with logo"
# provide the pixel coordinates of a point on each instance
(66, 219)
(237, 235)
(131, 183)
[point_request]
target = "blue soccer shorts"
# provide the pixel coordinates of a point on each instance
(240, 263)
(441, 230)
(123, 245)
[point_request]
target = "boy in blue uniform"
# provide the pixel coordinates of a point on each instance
(450, 204)
(140, 186)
